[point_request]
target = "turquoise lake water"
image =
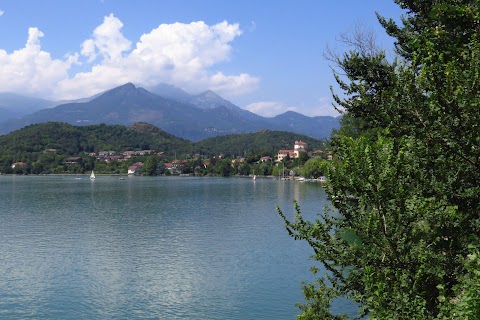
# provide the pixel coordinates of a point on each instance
(151, 248)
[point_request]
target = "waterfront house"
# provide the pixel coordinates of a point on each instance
(134, 169)
(168, 166)
(298, 147)
(73, 160)
(18, 164)
(179, 164)
(282, 154)
(266, 159)
(106, 153)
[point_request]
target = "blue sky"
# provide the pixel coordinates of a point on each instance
(265, 56)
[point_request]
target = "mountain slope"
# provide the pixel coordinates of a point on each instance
(319, 127)
(193, 117)
(33, 140)
(14, 105)
(29, 144)
(127, 104)
(211, 100)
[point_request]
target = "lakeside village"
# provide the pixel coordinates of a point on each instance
(285, 164)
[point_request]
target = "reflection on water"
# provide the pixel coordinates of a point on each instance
(162, 248)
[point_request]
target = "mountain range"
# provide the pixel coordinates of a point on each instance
(192, 117)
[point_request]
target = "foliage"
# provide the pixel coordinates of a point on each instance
(224, 168)
(69, 140)
(30, 145)
(150, 166)
(313, 168)
(404, 185)
(259, 143)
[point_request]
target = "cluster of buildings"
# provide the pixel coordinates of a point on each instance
(176, 166)
(109, 156)
(298, 147)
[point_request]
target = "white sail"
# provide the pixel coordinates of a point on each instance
(92, 175)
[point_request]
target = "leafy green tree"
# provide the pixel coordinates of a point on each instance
(302, 158)
(150, 166)
(313, 168)
(224, 167)
(404, 184)
(244, 169)
(263, 169)
(161, 167)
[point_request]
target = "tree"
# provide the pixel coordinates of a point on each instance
(313, 168)
(150, 166)
(244, 169)
(224, 168)
(406, 174)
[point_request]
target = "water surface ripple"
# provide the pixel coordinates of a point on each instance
(151, 248)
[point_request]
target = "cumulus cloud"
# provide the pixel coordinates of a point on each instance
(180, 54)
(107, 40)
(1, 12)
(31, 70)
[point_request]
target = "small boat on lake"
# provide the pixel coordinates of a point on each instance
(92, 175)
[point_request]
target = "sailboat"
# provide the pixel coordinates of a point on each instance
(92, 175)
(254, 176)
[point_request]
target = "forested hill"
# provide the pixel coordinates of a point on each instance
(262, 142)
(29, 143)
(71, 140)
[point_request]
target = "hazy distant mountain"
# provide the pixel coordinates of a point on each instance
(193, 117)
(320, 126)
(171, 92)
(211, 100)
(59, 102)
(15, 105)
(204, 100)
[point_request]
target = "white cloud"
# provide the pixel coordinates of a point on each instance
(180, 54)
(31, 70)
(322, 107)
(269, 108)
(1, 12)
(108, 40)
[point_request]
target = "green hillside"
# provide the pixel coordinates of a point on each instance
(71, 140)
(29, 144)
(260, 143)
(46, 147)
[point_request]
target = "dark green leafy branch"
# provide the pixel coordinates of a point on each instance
(404, 236)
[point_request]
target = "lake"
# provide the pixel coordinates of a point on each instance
(151, 247)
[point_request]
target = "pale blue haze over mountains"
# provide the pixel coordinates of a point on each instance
(193, 117)
(263, 56)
